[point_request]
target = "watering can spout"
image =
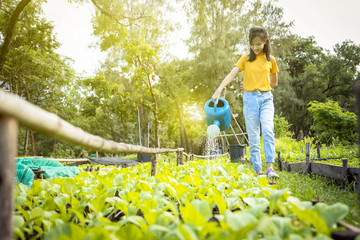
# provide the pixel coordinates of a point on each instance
(217, 123)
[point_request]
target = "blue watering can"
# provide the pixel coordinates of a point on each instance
(218, 114)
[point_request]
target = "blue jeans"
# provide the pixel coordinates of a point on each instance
(258, 109)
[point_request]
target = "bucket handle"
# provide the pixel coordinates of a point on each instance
(214, 105)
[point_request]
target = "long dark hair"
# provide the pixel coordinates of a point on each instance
(260, 32)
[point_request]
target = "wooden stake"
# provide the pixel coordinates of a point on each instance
(8, 146)
(344, 169)
(177, 158)
(307, 158)
(181, 156)
(357, 110)
(318, 150)
(279, 162)
(154, 164)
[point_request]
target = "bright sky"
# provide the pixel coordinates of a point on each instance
(330, 21)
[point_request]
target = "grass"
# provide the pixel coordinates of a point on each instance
(307, 187)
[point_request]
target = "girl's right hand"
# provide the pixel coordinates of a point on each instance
(216, 95)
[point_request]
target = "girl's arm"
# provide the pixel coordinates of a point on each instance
(274, 80)
(225, 82)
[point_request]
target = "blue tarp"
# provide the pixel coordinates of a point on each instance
(52, 168)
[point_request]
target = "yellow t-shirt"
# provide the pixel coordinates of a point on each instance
(257, 73)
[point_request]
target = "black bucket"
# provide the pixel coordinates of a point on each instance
(144, 157)
(237, 151)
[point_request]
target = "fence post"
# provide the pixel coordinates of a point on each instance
(287, 166)
(181, 156)
(344, 169)
(8, 146)
(318, 150)
(154, 164)
(279, 162)
(357, 97)
(307, 166)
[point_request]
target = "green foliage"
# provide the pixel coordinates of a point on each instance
(322, 190)
(281, 127)
(312, 74)
(294, 151)
(200, 200)
(332, 123)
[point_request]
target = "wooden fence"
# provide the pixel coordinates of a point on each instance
(14, 111)
(344, 173)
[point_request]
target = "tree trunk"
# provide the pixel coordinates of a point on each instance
(183, 133)
(33, 143)
(26, 142)
(142, 125)
(183, 130)
(155, 111)
(81, 152)
(54, 146)
(10, 32)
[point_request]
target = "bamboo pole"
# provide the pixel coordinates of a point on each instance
(70, 160)
(208, 156)
(50, 124)
(8, 146)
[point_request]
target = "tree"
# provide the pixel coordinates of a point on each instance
(32, 68)
(219, 36)
(315, 76)
(332, 123)
(173, 79)
(133, 32)
(10, 32)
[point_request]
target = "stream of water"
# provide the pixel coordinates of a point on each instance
(212, 146)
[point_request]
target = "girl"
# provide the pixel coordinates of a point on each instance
(260, 75)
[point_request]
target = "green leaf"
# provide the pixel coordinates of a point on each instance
(262, 181)
(198, 212)
(79, 215)
(118, 180)
(129, 231)
(186, 232)
(312, 217)
(18, 221)
(275, 197)
(203, 208)
(333, 213)
(284, 226)
(69, 187)
(238, 221)
(37, 213)
(172, 206)
(158, 228)
(20, 200)
(219, 200)
(59, 229)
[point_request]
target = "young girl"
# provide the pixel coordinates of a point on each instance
(260, 75)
